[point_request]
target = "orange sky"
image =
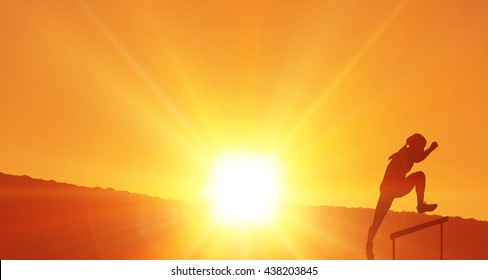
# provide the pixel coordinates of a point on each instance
(142, 96)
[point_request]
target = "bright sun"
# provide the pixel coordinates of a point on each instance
(245, 189)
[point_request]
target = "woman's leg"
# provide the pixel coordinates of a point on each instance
(384, 204)
(417, 180)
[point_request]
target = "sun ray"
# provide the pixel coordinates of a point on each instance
(340, 77)
(288, 243)
(148, 81)
(202, 238)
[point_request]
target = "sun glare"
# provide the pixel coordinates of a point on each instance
(245, 189)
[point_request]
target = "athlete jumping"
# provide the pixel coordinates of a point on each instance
(397, 184)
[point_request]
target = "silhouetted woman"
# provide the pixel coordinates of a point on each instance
(396, 183)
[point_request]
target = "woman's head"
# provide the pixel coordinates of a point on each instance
(416, 141)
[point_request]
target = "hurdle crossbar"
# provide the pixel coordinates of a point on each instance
(413, 229)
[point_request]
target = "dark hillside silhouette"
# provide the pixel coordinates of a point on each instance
(50, 220)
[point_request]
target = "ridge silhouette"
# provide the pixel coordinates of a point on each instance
(50, 220)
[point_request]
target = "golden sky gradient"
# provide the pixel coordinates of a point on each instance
(144, 95)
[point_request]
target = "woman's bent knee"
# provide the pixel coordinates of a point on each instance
(419, 175)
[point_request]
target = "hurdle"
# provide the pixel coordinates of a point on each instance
(413, 229)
